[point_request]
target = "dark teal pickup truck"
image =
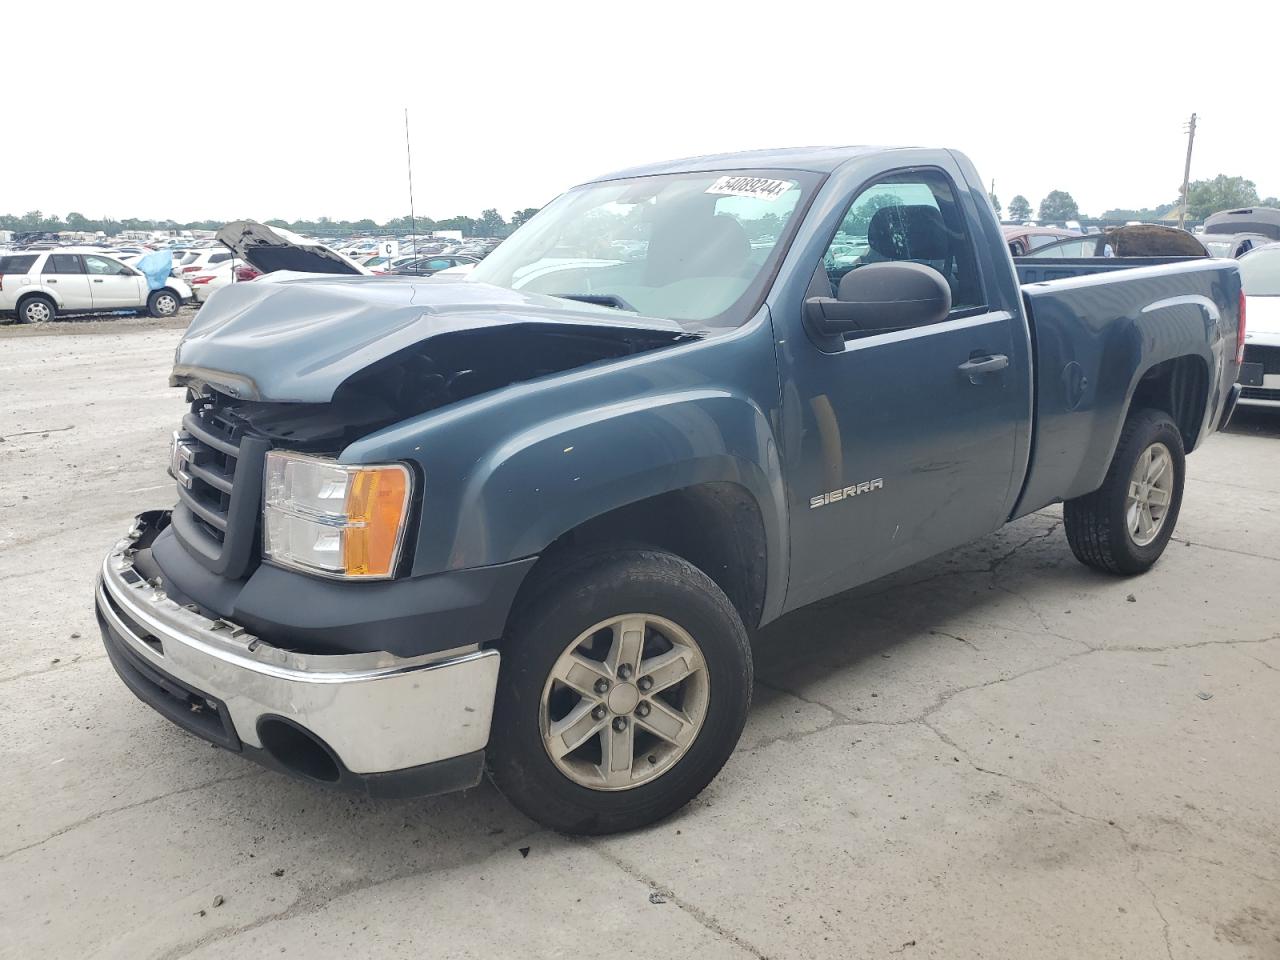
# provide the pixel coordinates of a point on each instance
(526, 519)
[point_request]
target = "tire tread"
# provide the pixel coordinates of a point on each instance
(1089, 522)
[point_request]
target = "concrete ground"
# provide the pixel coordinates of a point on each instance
(998, 753)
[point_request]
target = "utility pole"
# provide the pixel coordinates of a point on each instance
(1186, 173)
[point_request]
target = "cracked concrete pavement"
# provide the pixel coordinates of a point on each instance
(993, 754)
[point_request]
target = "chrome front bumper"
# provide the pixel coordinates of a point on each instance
(374, 712)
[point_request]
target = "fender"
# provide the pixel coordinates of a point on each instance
(506, 474)
(1094, 343)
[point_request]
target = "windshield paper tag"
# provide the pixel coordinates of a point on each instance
(756, 187)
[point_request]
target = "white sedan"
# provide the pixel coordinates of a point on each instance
(1260, 375)
(205, 282)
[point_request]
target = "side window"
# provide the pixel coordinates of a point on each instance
(102, 267)
(63, 263)
(438, 264)
(1041, 240)
(915, 216)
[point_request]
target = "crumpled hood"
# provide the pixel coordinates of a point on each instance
(299, 339)
(269, 249)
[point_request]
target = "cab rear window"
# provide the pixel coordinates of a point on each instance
(17, 264)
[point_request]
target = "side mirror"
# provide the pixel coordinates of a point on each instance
(881, 298)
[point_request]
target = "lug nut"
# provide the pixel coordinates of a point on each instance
(599, 712)
(602, 685)
(619, 723)
(624, 671)
(645, 683)
(642, 710)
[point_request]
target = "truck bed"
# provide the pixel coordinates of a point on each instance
(1095, 334)
(1040, 269)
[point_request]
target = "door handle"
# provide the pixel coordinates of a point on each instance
(979, 367)
(97, 281)
(51, 281)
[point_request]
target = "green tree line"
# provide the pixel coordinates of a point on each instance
(490, 223)
(1204, 197)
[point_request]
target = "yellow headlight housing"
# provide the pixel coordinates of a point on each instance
(334, 519)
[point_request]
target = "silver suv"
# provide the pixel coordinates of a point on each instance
(39, 284)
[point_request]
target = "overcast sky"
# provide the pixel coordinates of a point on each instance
(273, 109)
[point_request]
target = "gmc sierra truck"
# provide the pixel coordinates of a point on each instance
(525, 520)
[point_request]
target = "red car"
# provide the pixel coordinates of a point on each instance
(1023, 239)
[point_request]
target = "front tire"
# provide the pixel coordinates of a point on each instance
(163, 303)
(625, 683)
(1124, 526)
(36, 309)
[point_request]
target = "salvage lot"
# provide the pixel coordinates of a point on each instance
(997, 753)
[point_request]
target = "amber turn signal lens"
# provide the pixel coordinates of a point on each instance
(377, 501)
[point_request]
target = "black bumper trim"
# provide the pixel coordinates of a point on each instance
(178, 702)
(406, 617)
(1228, 408)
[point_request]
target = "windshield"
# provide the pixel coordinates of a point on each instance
(1218, 248)
(691, 247)
(1260, 272)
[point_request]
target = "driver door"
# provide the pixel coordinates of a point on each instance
(901, 453)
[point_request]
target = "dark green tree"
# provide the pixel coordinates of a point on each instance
(1019, 208)
(995, 204)
(1221, 193)
(466, 224)
(491, 224)
(521, 217)
(1059, 205)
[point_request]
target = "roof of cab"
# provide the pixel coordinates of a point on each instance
(812, 159)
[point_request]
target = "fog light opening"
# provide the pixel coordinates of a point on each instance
(298, 750)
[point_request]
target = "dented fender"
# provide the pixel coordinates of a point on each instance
(505, 474)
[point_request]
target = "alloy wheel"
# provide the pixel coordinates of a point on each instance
(1150, 493)
(624, 702)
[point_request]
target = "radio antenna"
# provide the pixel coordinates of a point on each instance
(413, 221)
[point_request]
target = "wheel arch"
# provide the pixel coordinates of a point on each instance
(717, 526)
(1179, 387)
(40, 292)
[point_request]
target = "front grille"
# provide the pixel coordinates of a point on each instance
(219, 498)
(215, 451)
(1269, 357)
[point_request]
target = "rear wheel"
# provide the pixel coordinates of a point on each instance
(624, 688)
(163, 303)
(1124, 526)
(36, 309)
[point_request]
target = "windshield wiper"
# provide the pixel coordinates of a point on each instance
(599, 299)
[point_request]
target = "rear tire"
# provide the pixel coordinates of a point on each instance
(163, 303)
(576, 615)
(36, 309)
(1123, 527)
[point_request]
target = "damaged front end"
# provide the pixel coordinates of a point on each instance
(408, 346)
(309, 367)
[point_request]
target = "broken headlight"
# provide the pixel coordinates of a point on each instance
(337, 520)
